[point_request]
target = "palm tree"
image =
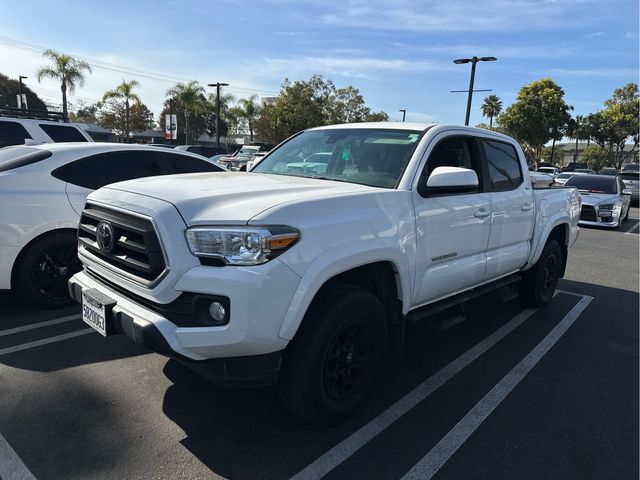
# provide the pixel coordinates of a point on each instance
(491, 107)
(66, 69)
(190, 96)
(226, 99)
(576, 129)
(250, 111)
(124, 91)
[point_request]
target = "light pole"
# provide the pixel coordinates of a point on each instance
(404, 112)
(473, 61)
(218, 85)
(22, 102)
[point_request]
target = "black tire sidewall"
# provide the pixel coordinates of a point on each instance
(305, 361)
(22, 284)
(552, 248)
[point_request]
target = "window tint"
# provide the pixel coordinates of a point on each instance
(187, 164)
(105, 168)
(593, 183)
(12, 133)
(503, 166)
(62, 133)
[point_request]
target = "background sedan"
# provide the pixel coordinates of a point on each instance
(605, 201)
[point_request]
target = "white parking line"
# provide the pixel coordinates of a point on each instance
(25, 328)
(633, 227)
(429, 465)
(342, 451)
(44, 341)
(11, 467)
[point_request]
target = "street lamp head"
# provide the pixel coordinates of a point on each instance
(460, 61)
(487, 59)
(21, 77)
(218, 84)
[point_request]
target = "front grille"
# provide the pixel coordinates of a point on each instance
(588, 214)
(136, 252)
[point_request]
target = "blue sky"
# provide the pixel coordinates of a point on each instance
(397, 53)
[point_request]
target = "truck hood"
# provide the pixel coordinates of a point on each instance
(232, 198)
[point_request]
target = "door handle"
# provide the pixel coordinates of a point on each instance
(483, 212)
(527, 206)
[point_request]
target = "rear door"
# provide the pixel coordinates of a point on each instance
(452, 230)
(512, 208)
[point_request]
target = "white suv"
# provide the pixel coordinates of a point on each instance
(18, 131)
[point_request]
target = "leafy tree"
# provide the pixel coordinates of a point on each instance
(310, 103)
(123, 93)
(191, 100)
(597, 157)
(618, 123)
(69, 71)
(113, 115)
(538, 115)
(578, 129)
(249, 110)
(10, 88)
(491, 107)
(87, 113)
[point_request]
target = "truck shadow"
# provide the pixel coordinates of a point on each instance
(247, 433)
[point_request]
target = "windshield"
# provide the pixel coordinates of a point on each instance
(592, 183)
(374, 157)
(564, 175)
(546, 170)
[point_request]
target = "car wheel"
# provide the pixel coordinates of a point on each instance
(44, 268)
(333, 361)
(539, 282)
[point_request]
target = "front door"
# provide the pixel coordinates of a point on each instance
(452, 230)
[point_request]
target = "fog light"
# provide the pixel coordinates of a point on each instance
(217, 311)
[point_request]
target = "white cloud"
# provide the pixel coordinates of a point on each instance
(500, 51)
(593, 72)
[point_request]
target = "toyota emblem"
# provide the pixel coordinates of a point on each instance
(105, 236)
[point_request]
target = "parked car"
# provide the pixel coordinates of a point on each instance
(588, 171)
(573, 166)
(304, 279)
(605, 199)
(631, 167)
(203, 150)
(163, 145)
(562, 178)
(42, 192)
(608, 171)
(18, 131)
(238, 161)
(553, 171)
(631, 180)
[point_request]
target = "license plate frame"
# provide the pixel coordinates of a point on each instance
(97, 311)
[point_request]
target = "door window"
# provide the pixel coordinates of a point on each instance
(12, 133)
(62, 133)
(99, 170)
(453, 152)
(503, 166)
(177, 163)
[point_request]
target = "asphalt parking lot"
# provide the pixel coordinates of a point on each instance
(507, 393)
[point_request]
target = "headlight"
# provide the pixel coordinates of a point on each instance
(241, 245)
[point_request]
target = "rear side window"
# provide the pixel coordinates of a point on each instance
(99, 170)
(14, 157)
(12, 133)
(503, 166)
(62, 133)
(187, 164)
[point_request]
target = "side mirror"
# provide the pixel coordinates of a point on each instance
(626, 191)
(450, 180)
(540, 180)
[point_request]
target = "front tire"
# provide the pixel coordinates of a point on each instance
(539, 282)
(43, 270)
(336, 356)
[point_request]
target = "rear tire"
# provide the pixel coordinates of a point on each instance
(336, 356)
(539, 282)
(43, 270)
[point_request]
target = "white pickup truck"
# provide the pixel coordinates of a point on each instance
(288, 275)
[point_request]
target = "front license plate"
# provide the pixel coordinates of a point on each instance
(96, 311)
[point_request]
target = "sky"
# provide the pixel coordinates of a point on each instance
(398, 53)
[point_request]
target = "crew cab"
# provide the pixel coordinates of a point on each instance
(305, 277)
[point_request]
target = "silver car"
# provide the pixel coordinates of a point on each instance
(631, 180)
(605, 199)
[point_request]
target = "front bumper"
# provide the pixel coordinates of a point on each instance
(259, 297)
